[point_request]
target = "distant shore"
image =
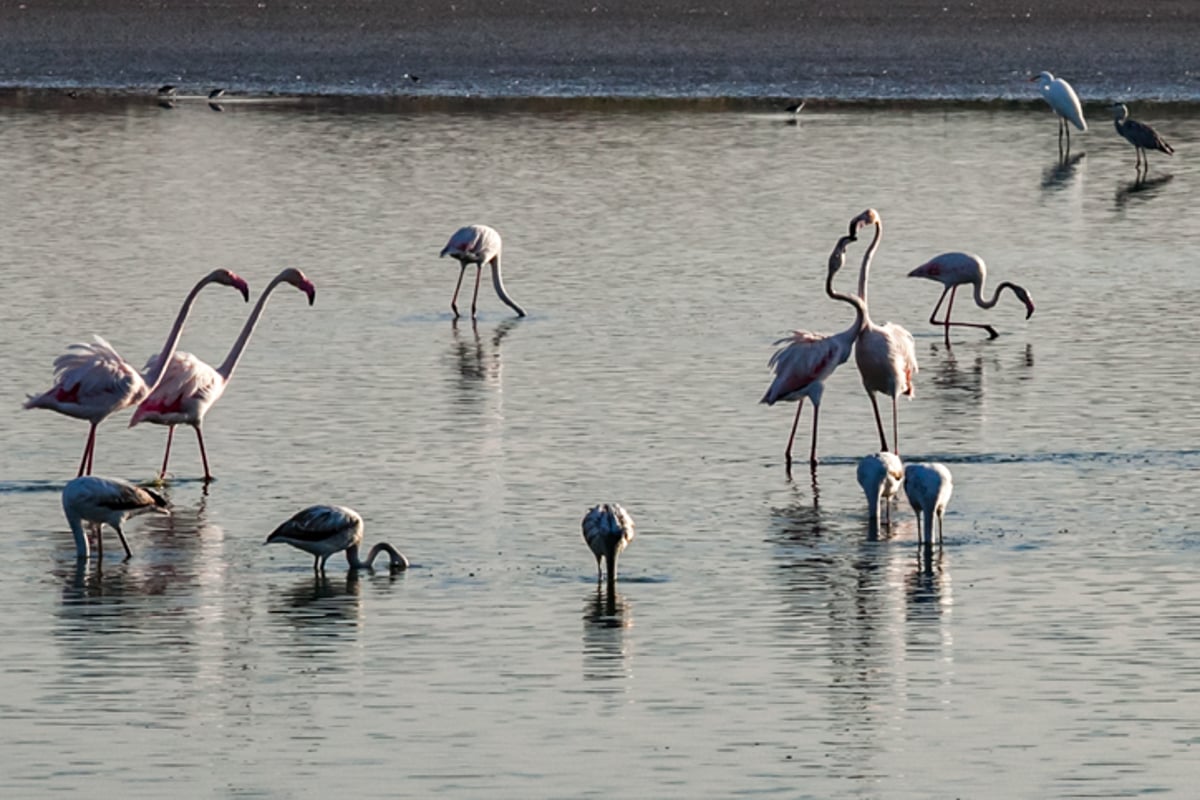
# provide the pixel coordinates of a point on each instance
(854, 49)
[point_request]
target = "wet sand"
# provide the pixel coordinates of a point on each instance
(855, 48)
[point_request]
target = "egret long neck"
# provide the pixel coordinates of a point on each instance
(868, 257)
(154, 375)
(235, 353)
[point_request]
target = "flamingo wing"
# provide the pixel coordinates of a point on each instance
(473, 243)
(804, 360)
(604, 523)
(316, 524)
(187, 388)
(90, 375)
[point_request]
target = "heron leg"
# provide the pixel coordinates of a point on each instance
(795, 422)
(475, 297)
(125, 544)
(454, 300)
(162, 474)
(812, 453)
(203, 455)
(878, 422)
(87, 451)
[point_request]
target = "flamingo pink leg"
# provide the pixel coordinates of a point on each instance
(812, 453)
(895, 427)
(795, 422)
(203, 455)
(167, 455)
(946, 323)
(84, 468)
(457, 286)
(879, 421)
(475, 297)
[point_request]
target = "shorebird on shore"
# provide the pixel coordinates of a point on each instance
(1140, 135)
(215, 93)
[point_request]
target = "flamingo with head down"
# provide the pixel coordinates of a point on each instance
(957, 269)
(92, 381)
(806, 359)
(478, 245)
(190, 387)
(325, 530)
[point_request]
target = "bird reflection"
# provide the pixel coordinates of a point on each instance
(478, 360)
(926, 588)
(1059, 175)
(606, 652)
(319, 601)
(801, 519)
(1142, 189)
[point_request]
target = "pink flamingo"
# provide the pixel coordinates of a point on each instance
(478, 245)
(91, 381)
(190, 387)
(956, 269)
(886, 354)
(808, 359)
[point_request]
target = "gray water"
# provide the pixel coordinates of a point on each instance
(760, 642)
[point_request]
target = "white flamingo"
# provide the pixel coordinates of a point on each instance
(958, 269)
(478, 245)
(190, 387)
(91, 498)
(880, 476)
(885, 354)
(928, 487)
(1062, 98)
(92, 381)
(807, 359)
(607, 529)
(325, 530)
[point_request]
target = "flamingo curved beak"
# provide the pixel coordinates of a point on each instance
(311, 291)
(243, 287)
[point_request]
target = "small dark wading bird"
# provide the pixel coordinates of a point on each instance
(607, 529)
(92, 381)
(215, 93)
(806, 359)
(478, 245)
(880, 476)
(928, 487)
(1140, 135)
(190, 387)
(795, 108)
(1062, 98)
(957, 269)
(104, 500)
(325, 530)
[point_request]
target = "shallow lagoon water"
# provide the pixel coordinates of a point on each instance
(760, 641)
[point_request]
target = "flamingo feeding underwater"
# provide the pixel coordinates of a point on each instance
(885, 354)
(1140, 135)
(807, 359)
(928, 487)
(325, 530)
(956, 269)
(1065, 103)
(607, 529)
(880, 476)
(104, 500)
(478, 245)
(190, 387)
(92, 381)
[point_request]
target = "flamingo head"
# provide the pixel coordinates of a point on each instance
(868, 217)
(228, 278)
(1023, 295)
(297, 278)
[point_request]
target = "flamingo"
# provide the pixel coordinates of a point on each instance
(956, 269)
(885, 354)
(189, 387)
(880, 476)
(92, 381)
(1062, 98)
(928, 487)
(104, 500)
(607, 529)
(1139, 134)
(807, 359)
(478, 245)
(325, 530)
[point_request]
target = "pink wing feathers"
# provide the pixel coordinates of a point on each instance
(187, 387)
(805, 360)
(90, 377)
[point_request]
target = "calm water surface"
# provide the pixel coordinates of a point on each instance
(760, 641)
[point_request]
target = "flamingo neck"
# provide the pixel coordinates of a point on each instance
(81, 543)
(979, 301)
(868, 257)
(157, 370)
(235, 353)
(860, 309)
(397, 560)
(498, 283)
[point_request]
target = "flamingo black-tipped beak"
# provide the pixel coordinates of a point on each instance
(1029, 310)
(311, 291)
(244, 288)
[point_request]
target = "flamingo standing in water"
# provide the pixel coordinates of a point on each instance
(607, 529)
(325, 530)
(885, 354)
(92, 381)
(807, 359)
(478, 245)
(190, 387)
(928, 487)
(1140, 135)
(1062, 98)
(880, 476)
(104, 500)
(956, 269)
